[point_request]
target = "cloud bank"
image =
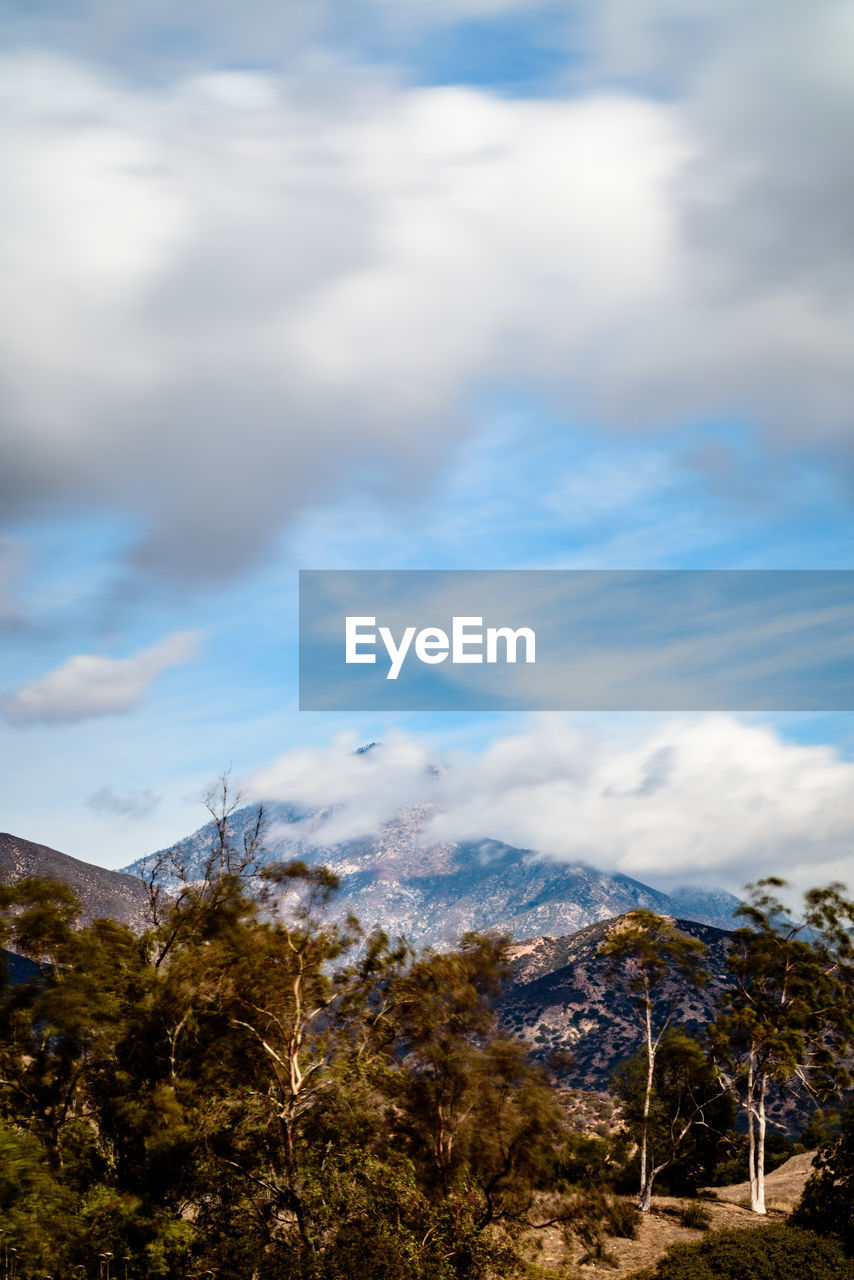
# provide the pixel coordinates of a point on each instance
(709, 800)
(89, 685)
(233, 294)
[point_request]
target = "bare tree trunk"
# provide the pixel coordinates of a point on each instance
(751, 1133)
(645, 1197)
(759, 1206)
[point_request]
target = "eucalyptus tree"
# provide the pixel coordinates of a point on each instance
(787, 1018)
(654, 963)
(688, 1116)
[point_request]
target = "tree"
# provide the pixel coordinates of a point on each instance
(445, 1014)
(289, 1007)
(480, 1120)
(827, 1205)
(653, 962)
(786, 1020)
(182, 892)
(687, 1114)
(253, 1087)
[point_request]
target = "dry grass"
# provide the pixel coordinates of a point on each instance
(783, 1188)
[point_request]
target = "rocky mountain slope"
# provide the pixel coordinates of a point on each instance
(433, 892)
(114, 894)
(561, 999)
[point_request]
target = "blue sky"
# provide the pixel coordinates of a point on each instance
(480, 284)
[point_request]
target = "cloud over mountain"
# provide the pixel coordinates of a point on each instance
(703, 799)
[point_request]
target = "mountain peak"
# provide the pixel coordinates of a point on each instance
(433, 891)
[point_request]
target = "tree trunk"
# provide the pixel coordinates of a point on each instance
(751, 1132)
(756, 1136)
(645, 1195)
(759, 1206)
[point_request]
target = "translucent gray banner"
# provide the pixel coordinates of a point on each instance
(576, 640)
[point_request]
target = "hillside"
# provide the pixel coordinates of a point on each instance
(560, 999)
(114, 894)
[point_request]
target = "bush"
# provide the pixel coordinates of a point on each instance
(828, 1199)
(778, 1149)
(594, 1216)
(623, 1219)
(821, 1129)
(696, 1216)
(756, 1253)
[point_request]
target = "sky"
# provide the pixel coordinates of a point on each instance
(467, 284)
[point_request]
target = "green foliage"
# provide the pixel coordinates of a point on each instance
(734, 1167)
(586, 1159)
(684, 1115)
(253, 1089)
(788, 1016)
(35, 1209)
(828, 1200)
(653, 962)
(257, 1096)
(646, 950)
(769, 1253)
(821, 1129)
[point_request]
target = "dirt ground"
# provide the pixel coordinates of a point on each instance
(727, 1207)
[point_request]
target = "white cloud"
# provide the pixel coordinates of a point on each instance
(234, 295)
(710, 800)
(89, 685)
(363, 789)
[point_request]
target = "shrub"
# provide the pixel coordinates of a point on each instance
(778, 1149)
(756, 1253)
(696, 1216)
(622, 1219)
(828, 1200)
(593, 1216)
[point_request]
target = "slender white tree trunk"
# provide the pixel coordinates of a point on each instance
(645, 1197)
(756, 1125)
(759, 1206)
(751, 1132)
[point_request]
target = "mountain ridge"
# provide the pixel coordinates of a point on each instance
(119, 895)
(432, 892)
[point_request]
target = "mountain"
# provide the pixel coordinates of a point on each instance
(433, 892)
(708, 906)
(114, 894)
(561, 999)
